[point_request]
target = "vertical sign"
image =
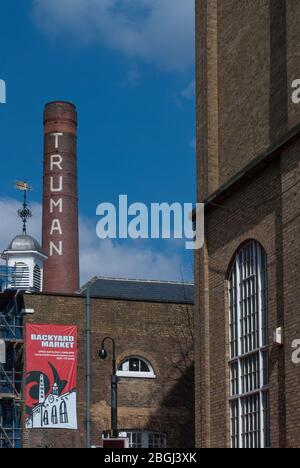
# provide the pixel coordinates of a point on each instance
(51, 368)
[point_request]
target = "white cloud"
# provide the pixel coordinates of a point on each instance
(160, 32)
(99, 257)
(130, 259)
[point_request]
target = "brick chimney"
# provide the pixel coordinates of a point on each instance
(60, 198)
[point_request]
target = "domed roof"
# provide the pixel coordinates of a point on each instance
(25, 243)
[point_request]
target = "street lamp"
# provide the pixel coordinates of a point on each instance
(114, 385)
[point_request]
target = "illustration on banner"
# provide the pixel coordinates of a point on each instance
(55, 409)
(51, 361)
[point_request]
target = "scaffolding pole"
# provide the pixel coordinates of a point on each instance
(11, 370)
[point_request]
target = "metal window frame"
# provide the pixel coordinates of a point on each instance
(248, 324)
(136, 374)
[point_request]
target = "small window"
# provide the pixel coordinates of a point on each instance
(63, 413)
(136, 367)
(46, 418)
(157, 440)
(54, 418)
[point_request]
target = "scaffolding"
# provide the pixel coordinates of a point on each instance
(7, 277)
(11, 369)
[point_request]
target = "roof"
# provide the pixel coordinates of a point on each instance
(140, 290)
(24, 243)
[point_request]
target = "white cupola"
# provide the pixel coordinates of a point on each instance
(25, 261)
(24, 256)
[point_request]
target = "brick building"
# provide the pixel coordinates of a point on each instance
(248, 274)
(152, 324)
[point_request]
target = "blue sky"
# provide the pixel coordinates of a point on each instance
(128, 65)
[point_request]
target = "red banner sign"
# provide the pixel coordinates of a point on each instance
(51, 368)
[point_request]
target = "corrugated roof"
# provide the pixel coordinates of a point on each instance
(140, 290)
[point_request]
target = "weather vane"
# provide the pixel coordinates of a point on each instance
(25, 212)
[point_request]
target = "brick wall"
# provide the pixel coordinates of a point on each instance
(264, 207)
(161, 333)
(247, 59)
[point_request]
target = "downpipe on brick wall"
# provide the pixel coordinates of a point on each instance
(114, 385)
(88, 368)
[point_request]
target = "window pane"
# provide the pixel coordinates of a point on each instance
(234, 379)
(125, 366)
(134, 365)
(251, 422)
(250, 373)
(235, 424)
(157, 440)
(135, 439)
(144, 367)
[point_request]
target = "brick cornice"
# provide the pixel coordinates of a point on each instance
(255, 165)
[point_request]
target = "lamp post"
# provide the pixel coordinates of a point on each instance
(114, 384)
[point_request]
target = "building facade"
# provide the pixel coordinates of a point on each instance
(248, 274)
(152, 324)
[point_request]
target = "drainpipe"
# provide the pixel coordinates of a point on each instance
(88, 368)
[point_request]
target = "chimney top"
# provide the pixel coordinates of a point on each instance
(60, 116)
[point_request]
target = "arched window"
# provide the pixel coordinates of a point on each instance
(136, 367)
(54, 419)
(249, 376)
(46, 418)
(63, 413)
(37, 278)
(21, 276)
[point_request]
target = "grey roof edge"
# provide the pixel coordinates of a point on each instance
(132, 280)
(140, 290)
(82, 296)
